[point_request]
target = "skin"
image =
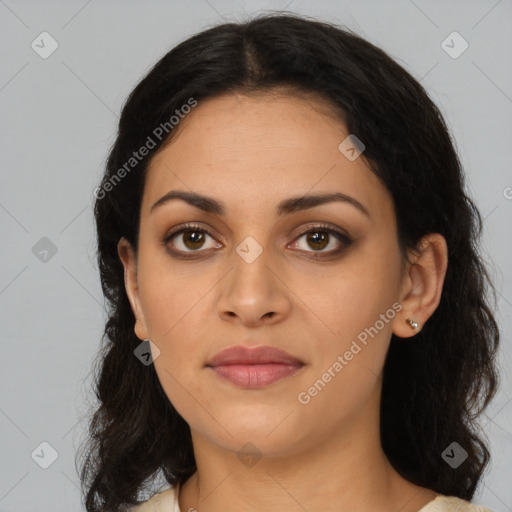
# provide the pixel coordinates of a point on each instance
(250, 153)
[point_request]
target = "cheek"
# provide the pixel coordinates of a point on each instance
(348, 364)
(171, 296)
(173, 314)
(352, 297)
(357, 306)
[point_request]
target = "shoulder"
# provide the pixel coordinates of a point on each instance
(452, 504)
(165, 501)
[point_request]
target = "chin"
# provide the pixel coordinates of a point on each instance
(266, 435)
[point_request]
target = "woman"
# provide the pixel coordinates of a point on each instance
(298, 315)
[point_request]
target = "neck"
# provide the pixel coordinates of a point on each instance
(347, 471)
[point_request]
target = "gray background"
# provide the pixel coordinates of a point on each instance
(58, 122)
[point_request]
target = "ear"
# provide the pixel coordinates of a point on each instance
(129, 260)
(422, 284)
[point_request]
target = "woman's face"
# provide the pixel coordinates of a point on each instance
(254, 276)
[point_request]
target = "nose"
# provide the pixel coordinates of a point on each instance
(254, 294)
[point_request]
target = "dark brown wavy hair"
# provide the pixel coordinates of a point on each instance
(435, 387)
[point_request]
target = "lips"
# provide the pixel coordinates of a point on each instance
(257, 355)
(254, 367)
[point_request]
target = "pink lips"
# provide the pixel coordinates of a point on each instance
(254, 368)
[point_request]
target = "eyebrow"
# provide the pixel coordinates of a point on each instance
(287, 206)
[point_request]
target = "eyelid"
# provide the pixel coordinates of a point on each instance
(182, 228)
(187, 226)
(322, 226)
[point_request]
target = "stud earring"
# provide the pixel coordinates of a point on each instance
(412, 323)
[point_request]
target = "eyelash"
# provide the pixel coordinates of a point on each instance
(322, 228)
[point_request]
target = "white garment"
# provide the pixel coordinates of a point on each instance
(167, 501)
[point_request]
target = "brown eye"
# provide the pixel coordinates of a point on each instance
(193, 239)
(317, 239)
(320, 237)
(189, 239)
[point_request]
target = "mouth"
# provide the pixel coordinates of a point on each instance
(254, 368)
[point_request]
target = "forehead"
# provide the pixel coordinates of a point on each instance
(259, 150)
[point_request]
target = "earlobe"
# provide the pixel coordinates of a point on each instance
(127, 257)
(423, 285)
